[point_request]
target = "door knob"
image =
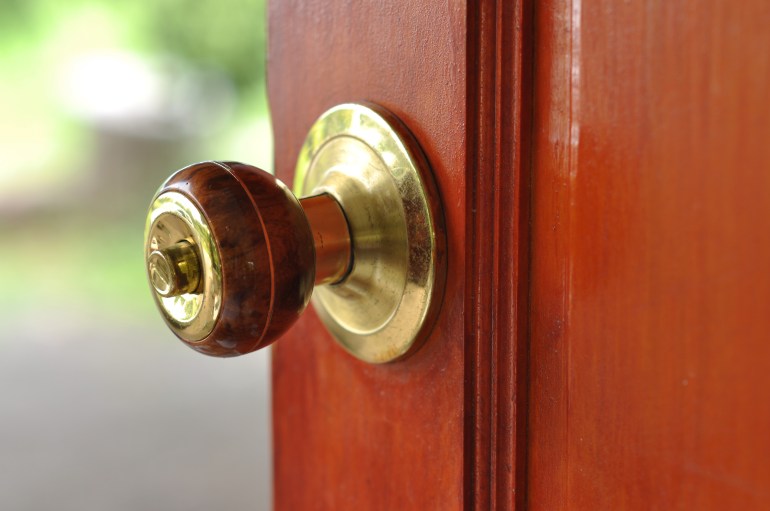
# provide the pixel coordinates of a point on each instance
(233, 256)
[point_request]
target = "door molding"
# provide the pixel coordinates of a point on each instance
(497, 196)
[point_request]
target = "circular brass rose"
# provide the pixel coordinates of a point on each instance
(364, 158)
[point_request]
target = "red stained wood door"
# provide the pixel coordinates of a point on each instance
(603, 342)
(649, 352)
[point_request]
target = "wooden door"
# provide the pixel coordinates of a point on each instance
(421, 433)
(605, 174)
(650, 332)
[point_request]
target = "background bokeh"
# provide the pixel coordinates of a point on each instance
(100, 407)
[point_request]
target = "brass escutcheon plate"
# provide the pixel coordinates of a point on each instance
(366, 159)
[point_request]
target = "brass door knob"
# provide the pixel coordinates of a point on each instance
(233, 256)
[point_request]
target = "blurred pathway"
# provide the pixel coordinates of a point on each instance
(125, 418)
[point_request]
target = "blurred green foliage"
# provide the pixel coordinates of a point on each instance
(229, 34)
(226, 34)
(74, 267)
(82, 264)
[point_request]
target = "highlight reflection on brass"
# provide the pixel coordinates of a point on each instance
(183, 266)
(384, 308)
(175, 270)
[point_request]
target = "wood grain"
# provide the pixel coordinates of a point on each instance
(650, 361)
(499, 106)
(349, 435)
(439, 430)
(265, 248)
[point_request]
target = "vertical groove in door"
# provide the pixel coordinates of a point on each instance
(497, 266)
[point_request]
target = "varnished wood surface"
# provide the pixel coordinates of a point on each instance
(438, 430)
(650, 352)
(265, 247)
(497, 194)
(290, 242)
(349, 435)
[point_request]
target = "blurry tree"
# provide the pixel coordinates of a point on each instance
(228, 35)
(224, 34)
(56, 162)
